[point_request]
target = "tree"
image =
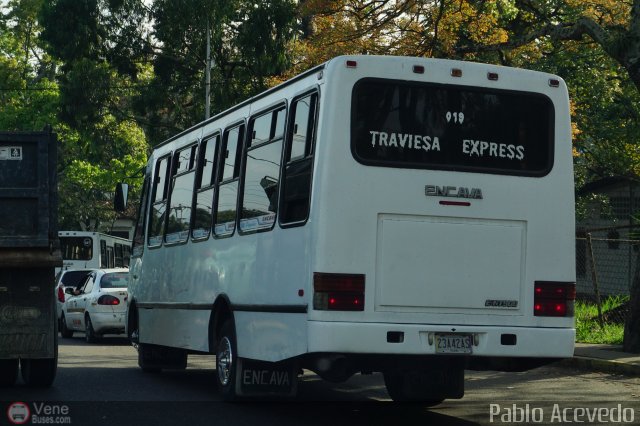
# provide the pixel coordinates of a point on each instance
(100, 47)
(247, 45)
(28, 94)
(89, 171)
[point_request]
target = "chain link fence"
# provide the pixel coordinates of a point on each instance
(606, 262)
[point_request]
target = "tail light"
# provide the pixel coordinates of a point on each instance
(108, 299)
(61, 294)
(338, 292)
(554, 299)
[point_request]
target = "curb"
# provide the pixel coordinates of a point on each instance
(602, 365)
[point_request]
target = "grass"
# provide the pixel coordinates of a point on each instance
(588, 328)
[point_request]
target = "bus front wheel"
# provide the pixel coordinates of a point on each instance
(227, 361)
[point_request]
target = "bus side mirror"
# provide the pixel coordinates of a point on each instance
(120, 200)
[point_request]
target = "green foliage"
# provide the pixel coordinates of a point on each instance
(589, 330)
(247, 47)
(89, 175)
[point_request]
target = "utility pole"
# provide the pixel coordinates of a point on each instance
(207, 101)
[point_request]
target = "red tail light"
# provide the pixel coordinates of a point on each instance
(554, 299)
(108, 299)
(338, 292)
(61, 294)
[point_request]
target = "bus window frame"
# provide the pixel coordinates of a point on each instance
(278, 106)
(145, 196)
(152, 198)
(216, 134)
(237, 170)
(172, 179)
(309, 156)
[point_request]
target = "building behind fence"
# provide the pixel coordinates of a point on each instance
(608, 240)
(606, 261)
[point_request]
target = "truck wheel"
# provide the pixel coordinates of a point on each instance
(400, 389)
(8, 372)
(227, 361)
(89, 333)
(39, 372)
(64, 330)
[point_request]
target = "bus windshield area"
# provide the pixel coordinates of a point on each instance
(434, 126)
(76, 248)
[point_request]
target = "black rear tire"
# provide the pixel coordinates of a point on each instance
(39, 372)
(8, 372)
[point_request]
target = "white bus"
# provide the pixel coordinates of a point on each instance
(408, 216)
(84, 249)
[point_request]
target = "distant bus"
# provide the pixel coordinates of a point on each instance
(82, 250)
(408, 216)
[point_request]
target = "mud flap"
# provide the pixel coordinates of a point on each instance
(260, 378)
(446, 383)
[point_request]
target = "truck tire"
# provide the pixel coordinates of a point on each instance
(227, 361)
(8, 372)
(39, 372)
(42, 371)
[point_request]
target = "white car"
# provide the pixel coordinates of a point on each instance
(98, 307)
(68, 278)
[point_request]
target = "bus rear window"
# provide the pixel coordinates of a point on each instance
(423, 125)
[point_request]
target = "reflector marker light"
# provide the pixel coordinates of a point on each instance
(554, 82)
(351, 63)
(418, 69)
(493, 76)
(456, 72)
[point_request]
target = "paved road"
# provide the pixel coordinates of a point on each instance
(101, 384)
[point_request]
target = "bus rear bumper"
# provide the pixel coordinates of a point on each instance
(419, 339)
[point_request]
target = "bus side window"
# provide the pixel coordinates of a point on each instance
(296, 186)
(205, 187)
(119, 255)
(104, 259)
(181, 196)
(126, 258)
(226, 205)
(137, 246)
(157, 212)
(262, 171)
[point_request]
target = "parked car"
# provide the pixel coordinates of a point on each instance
(98, 307)
(69, 278)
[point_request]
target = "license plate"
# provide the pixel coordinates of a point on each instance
(453, 343)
